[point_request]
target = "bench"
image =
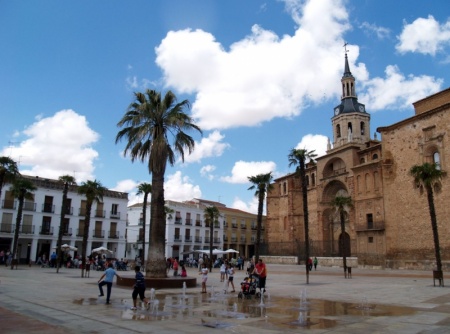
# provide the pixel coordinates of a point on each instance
(438, 275)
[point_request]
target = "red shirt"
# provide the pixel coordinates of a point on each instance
(261, 269)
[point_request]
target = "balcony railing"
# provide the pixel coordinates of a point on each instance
(6, 228)
(68, 232)
(80, 232)
(233, 239)
(243, 226)
(113, 234)
(177, 238)
(370, 226)
(29, 206)
(100, 213)
(187, 238)
(207, 224)
(207, 240)
(82, 212)
(141, 221)
(48, 207)
(69, 211)
(198, 239)
(198, 223)
(28, 229)
(188, 221)
(243, 240)
(234, 225)
(114, 215)
(216, 240)
(178, 220)
(98, 233)
(9, 204)
(225, 238)
(45, 230)
(216, 225)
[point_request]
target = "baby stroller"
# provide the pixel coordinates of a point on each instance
(248, 288)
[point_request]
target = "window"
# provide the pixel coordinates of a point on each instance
(338, 131)
(284, 188)
(369, 221)
(370, 240)
(363, 128)
(437, 159)
(313, 179)
(375, 156)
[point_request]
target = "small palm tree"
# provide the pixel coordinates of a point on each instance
(340, 203)
(21, 189)
(299, 157)
(211, 214)
(429, 176)
(8, 171)
(263, 184)
(68, 181)
(144, 188)
(149, 125)
(93, 190)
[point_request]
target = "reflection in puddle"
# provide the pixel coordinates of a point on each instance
(275, 313)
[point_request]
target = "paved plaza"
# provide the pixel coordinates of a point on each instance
(37, 300)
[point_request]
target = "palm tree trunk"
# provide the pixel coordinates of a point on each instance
(259, 224)
(434, 226)
(211, 229)
(60, 232)
(16, 232)
(344, 244)
(87, 221)
(305, 217)
(144, 218)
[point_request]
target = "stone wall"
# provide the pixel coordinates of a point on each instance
(322, 261)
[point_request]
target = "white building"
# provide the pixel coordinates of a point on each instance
(186, 229)
(41, 218)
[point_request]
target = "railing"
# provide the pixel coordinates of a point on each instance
(225, 238)
(48, 207)
(207, 224)
(207, 240)
(225, 224)
(69, 211)
(9, 204)
(100, 213)
(334, 172)
(216, 225)
(198, 239)
(141, 221)
(113, 234)
(45, 230)
(253, 227)
(68, 232)
(216, 240)
(82, 212)
(29, 206)
(369, 226)
(28, 229)
(198, 223)
(233, 239)
(80, 232)
(114, 215)
(243, 226)
(98, 233)
(178, 220)
(243, 239)
(234, 225)
(188, 238)
(6, 228)
(177, 238)
(188, 221)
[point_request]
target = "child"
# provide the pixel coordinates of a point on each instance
(223, 269)
(230, 272)
(139, 289)
(183, 271)
(204, 273)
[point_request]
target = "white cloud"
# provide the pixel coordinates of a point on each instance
(129, 186)
(251, 206)
(396, 90)
(180, 188)
(206, 171)
(243, 169)
(380, 32)
(424, 35)
(207, 147)
(310, 142)
(57, 145)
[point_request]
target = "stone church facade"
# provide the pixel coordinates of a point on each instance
(389, 223)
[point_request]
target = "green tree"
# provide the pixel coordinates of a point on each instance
(8, 171)
(263, 184)
(211, 214)
(340, 203)
(299, 158)
(94, 191)
(67, 181)
(144, 188)
(21, 189)
(429, 176)
(156, 129)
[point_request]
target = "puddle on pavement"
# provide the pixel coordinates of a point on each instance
(224, 310)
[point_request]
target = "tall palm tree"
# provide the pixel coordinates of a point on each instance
(149, 125)
(429, 176)
(340, 203)
(263, 184)
(299, 157)
(8, 171)
(144, 188)
(21, 189)
(211, 214)
(94, 191)
(68, 181)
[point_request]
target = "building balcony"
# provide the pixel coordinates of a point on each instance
(80, 232)
(98, 233)
(370, 226)
(141, 221)
(28, 229)
(100, 213)
(6, 228)
(115, 215)
(207, 224)
(9, 204)
(216, 225)
(225, 238)
(234, 225)
(29, 206)
(234, 239)
(188, 238)
(253, 227)
(216, 240)
(207, 240)
(113, 234)
(243, 226)
(82, 212)
(67, 232)
(243, 239)
(48, 207)
(178, 220)
(177, 238)
(198, 239)
(198, 223)
(188, 221)
(45, 230)
(68, 211)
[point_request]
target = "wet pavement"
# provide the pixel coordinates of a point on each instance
(37, 300)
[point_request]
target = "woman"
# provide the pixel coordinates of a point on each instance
(204, 273)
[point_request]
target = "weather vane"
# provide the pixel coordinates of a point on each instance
(345, 47)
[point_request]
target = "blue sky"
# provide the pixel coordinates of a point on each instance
(262, 77)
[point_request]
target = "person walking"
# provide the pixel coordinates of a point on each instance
(107, 279)
(315, 263)
(223, 269)
(261, 271)
(139, 289)
(175, 267)
(230, 272)
(204, 273)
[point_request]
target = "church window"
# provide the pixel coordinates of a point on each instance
(338, 131)
(437, 159)
(284, 188)
(369, 221)
(350, 127)
(375, 156)
(313, 179)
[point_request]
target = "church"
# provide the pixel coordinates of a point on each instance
(388, 225)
